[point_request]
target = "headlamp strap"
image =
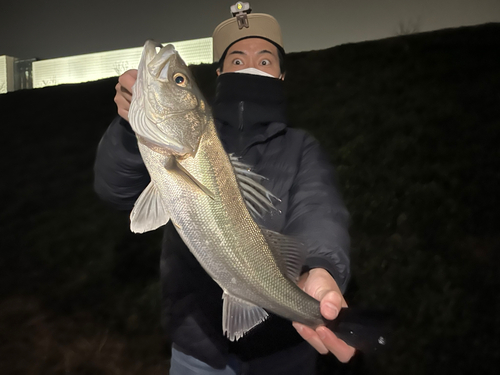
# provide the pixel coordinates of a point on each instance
(240, 11)
(242, 20)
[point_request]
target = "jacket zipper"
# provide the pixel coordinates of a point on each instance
(241, 125)
(241, 108)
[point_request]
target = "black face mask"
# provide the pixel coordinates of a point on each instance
(248, 102)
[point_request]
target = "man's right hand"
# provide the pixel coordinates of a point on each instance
(124, 92)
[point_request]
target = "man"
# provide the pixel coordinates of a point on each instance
(249, 114)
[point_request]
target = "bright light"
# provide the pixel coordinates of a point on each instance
(6, 74)
(95, 66)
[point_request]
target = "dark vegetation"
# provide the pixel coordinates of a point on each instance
(412, 125)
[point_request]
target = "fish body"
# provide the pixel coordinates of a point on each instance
(206, 194)
(213, 221)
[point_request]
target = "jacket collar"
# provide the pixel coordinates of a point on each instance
(249, 109)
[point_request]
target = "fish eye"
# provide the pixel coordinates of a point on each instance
(180, 79)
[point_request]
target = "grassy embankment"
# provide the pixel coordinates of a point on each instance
(412, 125)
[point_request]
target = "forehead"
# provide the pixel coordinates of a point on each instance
(253, 45)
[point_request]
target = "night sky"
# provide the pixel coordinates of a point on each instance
(69, 27)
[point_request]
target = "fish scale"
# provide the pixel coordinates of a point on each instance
(228, 227)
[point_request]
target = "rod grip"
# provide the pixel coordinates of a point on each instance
(366, 330)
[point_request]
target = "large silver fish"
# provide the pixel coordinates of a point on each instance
(211, 198)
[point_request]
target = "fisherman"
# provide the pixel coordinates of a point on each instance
(249, 111)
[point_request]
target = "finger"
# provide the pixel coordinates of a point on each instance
(123, 106)
(122, 96)
(121, 102)
(339, 348)
(126, 94)
(128, 79)
(132, 73)
(119, 96)
(123, 114)
(330, 304)
(311, 337)
(123, 92)
(319, 282)
(302, 280)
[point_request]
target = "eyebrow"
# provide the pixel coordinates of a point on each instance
(243, 53)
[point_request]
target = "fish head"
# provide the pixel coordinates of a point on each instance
(167, 108)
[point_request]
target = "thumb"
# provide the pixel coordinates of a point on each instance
(330, 304)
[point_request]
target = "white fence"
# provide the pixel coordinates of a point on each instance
(6, 74)
(95, 66)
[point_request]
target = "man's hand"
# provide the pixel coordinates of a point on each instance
(321, 285)
(124, 92)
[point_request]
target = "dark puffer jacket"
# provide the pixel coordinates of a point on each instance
(311, 208)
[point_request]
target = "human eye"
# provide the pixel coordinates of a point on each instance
(237, 62)
(265, 62)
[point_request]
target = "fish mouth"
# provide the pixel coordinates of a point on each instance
(157, 65)
(158, 61)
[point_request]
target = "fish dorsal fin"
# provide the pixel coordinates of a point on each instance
(149, 212)
(172, 165)
(289, 253)
(238, 316)
(257, 198)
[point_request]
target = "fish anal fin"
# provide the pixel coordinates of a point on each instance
(172, 165)
(288, 251)
(239, 316)
(149, 212)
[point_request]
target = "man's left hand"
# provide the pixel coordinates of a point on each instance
(321, 285)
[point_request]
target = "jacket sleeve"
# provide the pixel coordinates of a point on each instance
(318, 216)
(119, 172)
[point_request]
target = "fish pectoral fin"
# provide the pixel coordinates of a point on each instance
(288, 251)
(172, 165)
(149, 212)
(238, 316)
(257, 198)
